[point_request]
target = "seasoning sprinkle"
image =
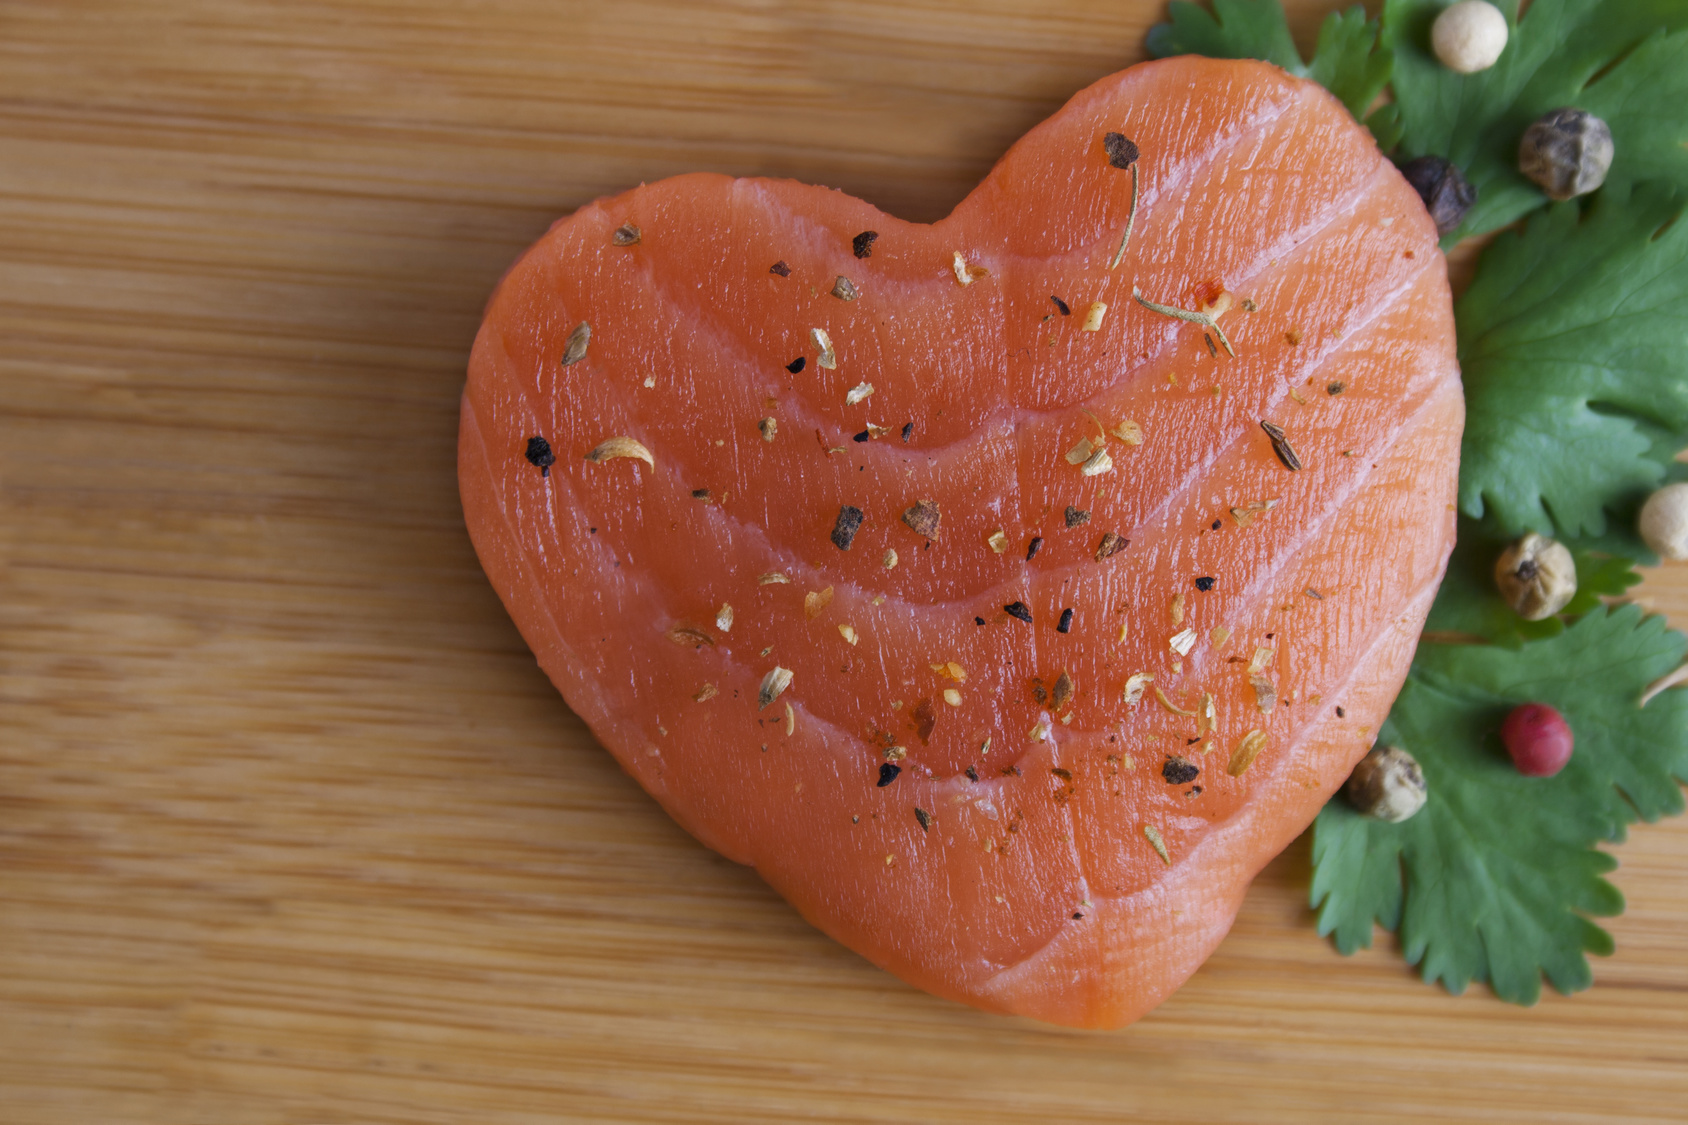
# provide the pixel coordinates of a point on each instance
(539, 454)
(844, 289)
(790, 721)
(823, 344)
(1210, 715)
(1031, 548)
(1076, 516)
(776, 681)
(888, 773)
(574, 350)
(924, 817)
(1336, 388)
(706, 693)
(848, 632)
(964, 273)
(1265, 695)
(1152, 834)
(908, 431)
(1122, 153)
(1066, 625)
(952, 697)
(924, 517)
(1206, 320)
(1314, 594)
(1093, 318)
(1247, 750)
(626, 235)
(1171, 706)
(1176, 610)
(724, 618)
(797, 365)
(814, 602)
(1135, 687)
(845, 527)
(1063, 691)
(1129, 432)
(773, 578)
(770, 427)
(856, 393)
(780, 268)
(1254, 508)
(1280, 445)
(1219, 636)
(1018, 611)
(862, 244)
(1179, 771)
(1097, 463)
(998, 540)
(1130, 223)
(620, 447)
(688, 635)
(889, 561)
(1110, 545)
(1066, 309)
(1204, 584)
(1183, 642)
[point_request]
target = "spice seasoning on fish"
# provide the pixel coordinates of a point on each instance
(924, 817)
(1018, 611)
(823, 344)
(1206, 320)
(780, 268)
(773, 578)
(845, 527)
(1129, 432)
(1336, 388)
(889, 561)
(862, 244)
(1093, 317)
(923, 517)
(626, 235)
(1152, 834)
(797, 365)
(724, 618)
(1179, 771)
(888, 773)
(1066, 625)
(844, 289)
(998, 540)
(1063, 691)
(1110, 545)
(574, 350)
(706, 693)
(1135, 687)
(1076, 516)
(770, 428)
(1280, 445)
(908, 431)
(1031, 548)
(688, 635)
(814, 602)
(1171, 706)
(1254, 508)
(620, 447)
(857, 393)
(1247, 750)
(1204, 584)
(776, 681)
(539, 454)
(1130, 223)
(1183, 642)
(1066, 310)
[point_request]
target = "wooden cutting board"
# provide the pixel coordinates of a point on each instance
(291, 827)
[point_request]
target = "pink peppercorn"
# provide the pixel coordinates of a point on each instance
(1538, 738)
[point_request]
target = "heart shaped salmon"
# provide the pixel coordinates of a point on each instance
(1007, 590)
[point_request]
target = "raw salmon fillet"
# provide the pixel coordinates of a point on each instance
(967, 778)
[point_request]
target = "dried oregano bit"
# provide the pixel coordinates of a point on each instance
(1336, 388)
(724, 618)
(823, 344)
(626, 234)
(1247, 750)
(844, 289)
(844, 528)
(857, 393)
(1281, 446)
(924, 517)
(1136, 686)
(814, 602)
(1122, 152)
(574, 350)
(690, 635)
(1153, 835)
(1076, 516)
(620, 447)
(1064, 689)
(998, 540)
(1204, 319)
(776, 681)
(707, 692)
(862, 244)
(701, 494)
(887, 774)
(539, 455)
(1110, 545)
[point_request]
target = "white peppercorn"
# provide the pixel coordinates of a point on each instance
(1566, 152)
(1664, 521)
(1387, 785)
(1469, 36)
(1536, 576)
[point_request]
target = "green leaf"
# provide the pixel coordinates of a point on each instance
(1495, 878)
(1348, 60)
(1609, 57)
(1573, 344)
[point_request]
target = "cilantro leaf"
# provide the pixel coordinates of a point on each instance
(1493, 880)
(1609, 57)
(1348, 60)
(1571, 343)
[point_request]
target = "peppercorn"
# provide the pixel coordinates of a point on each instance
(1538, 738)
(1386, 785)
(1447, 194)
(1566, 152)
(1664, 521)
(1536, 576)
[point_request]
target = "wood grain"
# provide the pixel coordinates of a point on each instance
(292, 830)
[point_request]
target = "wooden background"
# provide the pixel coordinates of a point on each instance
(291, 827)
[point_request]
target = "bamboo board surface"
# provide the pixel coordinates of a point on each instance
(292, 829)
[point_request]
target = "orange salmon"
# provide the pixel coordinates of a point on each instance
(1006, 590)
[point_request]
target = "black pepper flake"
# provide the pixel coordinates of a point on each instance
(978, 621)
(1076, 516)
(1077, 917)
(1193, 791)
(888, 772)
(844, 529)
(539, 454)
(1336, 388)
(972, 774)
(1180, 771)
(862, 244)
(908, 431)
(1018, 611)
(1063, 774)
(1217, 525)
(700, 494)
(1204, 584)
(863, 436)
(1066, 309)
(1066, 625)
(1212, 348)
(920, 814)
(1121, 152)
(1031, 548)
(1280, 445)
(797, 365)
(780, 268)
(1341, 714)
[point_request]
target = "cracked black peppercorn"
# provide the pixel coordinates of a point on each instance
(1447, 194)
(539, 453)
(888, 773)
(1180, 771)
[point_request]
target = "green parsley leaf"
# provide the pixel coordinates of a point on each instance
(1573, 343)
(1348, 61)
(1609, 57)
(1494, 878)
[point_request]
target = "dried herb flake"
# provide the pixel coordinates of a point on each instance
(845, 527)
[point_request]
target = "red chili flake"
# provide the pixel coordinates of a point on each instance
(1121, 152)
(844, 529)
(797, 365)
(1111, 544)
(1018, 611)
(862, 244)
(1204, 584)
(1179, 771)
(1076, 516)
(539, 453)
(780, 268)
(1066, 625)
(1031, 548)
(1066, 310)
(888, 773)
(924, 719)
